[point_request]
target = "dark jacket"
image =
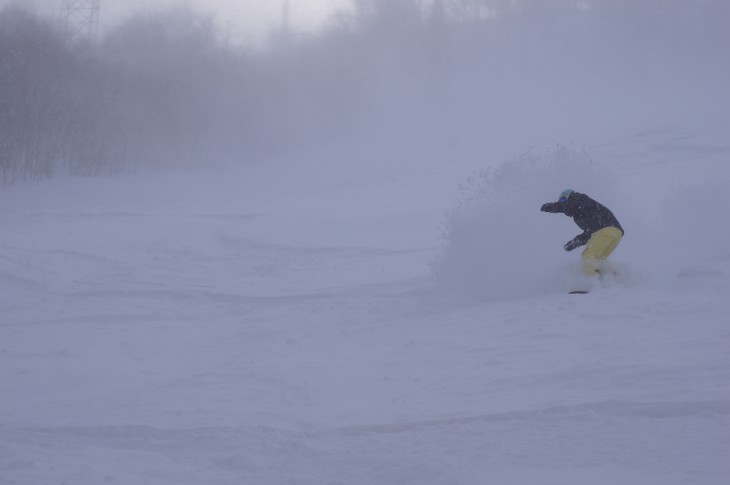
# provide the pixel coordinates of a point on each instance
(588, 214)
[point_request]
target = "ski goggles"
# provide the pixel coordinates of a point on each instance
(565, 195)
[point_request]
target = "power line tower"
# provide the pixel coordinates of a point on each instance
(80, 19)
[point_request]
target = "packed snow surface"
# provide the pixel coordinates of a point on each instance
(290, 326)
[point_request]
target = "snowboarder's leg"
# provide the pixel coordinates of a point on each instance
(598, 248)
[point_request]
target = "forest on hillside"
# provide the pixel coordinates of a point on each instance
(167, 88)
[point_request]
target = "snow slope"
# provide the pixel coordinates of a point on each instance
(286, 329)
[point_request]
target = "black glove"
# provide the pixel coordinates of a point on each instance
(553, 207)
(571, 245)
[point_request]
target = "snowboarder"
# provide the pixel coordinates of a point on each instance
(601, 230)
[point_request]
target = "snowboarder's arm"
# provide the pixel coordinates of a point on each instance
(577, 241)
(554, 207)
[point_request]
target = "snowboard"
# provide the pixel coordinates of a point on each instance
(579, 292)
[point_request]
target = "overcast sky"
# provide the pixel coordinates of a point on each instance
(244, 18)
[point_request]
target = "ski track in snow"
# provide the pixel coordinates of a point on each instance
(599, 443)
(230, 336)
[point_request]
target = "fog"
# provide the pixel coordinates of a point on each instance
(322, 259)
(392, 82)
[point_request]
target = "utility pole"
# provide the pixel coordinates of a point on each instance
(80, 20)
(285, 11)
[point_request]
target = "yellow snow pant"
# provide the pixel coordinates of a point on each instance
(598, 248)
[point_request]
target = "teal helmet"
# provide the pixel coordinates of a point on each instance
(565, 195)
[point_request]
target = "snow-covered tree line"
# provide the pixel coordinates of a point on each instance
(167, 88)
(146, 95)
